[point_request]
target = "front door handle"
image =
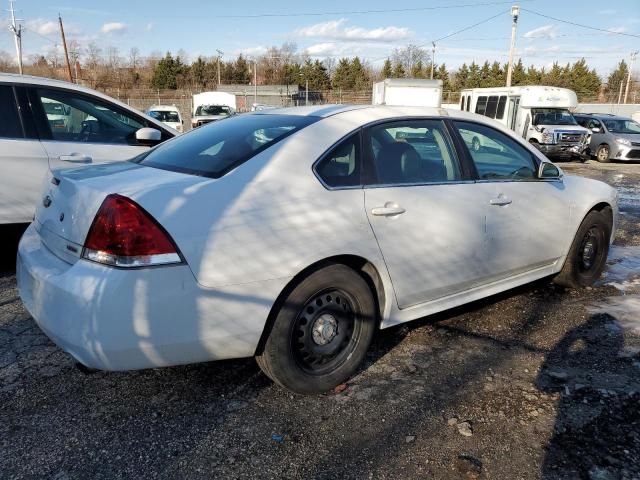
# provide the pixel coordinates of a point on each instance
(500, 200)
(387, 211)
(75, 158)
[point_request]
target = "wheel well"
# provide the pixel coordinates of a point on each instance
(604, 208)
(359, 264)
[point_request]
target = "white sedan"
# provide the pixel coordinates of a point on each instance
(291, 235)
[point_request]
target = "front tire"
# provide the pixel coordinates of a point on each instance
(602, 154)
(321, 332)
(588, 253)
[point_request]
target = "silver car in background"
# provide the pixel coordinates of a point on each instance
(613, 137)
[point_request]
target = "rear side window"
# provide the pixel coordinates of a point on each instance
(215, 149)
(10, 126)
(341, 166)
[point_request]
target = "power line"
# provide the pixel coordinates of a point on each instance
(360, 12)
(436, 40)
(581, 25)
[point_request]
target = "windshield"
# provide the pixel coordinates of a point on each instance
(165, 116)
(213, 110)
(622, 126)
(552, 116)
(52, 108)
(217, 148)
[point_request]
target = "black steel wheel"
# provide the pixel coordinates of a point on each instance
(588, 253)
(321, 332)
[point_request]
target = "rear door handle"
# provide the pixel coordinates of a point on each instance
(75, 158)
(500, 201)
(387, 211)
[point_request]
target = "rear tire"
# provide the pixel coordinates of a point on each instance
(321, 332)
(602, 154)
(588, 253)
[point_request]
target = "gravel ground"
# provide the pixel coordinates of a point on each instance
(534, 383)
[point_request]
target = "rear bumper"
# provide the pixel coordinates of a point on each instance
(116, 319)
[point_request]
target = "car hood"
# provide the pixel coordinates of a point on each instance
(563, 128)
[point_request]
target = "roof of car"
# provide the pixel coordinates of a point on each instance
(312, 110)
(611, 116)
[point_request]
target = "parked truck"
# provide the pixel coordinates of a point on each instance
(211, 106)
(403, 92)
(542, 115)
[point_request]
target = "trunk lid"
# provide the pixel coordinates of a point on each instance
(72, 197)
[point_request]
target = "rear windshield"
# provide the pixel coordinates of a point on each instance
(213, 110)
(216, 148)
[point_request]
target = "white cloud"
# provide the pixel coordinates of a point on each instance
(608, 11)
(113, 27)
(617, 29)
(43, 27)
(546, 31)
(337, 30)
(149, 27)
(251, 51)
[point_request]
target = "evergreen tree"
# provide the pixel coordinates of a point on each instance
(359, 75)
(485, 75)
(534, 76)
(418, 70)
(441, 73)
(387, 71)
(518, 76)
(474, 80)
(198, 73)
(398, 71)
(617, 77)
(341, 77)
(497, 75)
(584, 82)
(462, 78)
(166, 72)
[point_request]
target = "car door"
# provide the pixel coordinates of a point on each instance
(23, 162)
(526, 218)
(428, 224)
(76, 128)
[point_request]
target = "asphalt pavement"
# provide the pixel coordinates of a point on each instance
(538, 382)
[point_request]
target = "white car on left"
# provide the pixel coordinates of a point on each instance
(167, 114)
(51, 124)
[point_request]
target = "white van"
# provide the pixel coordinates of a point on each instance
(167, 114)
(542, 115)
(211, 106)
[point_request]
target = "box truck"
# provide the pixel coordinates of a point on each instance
(211, 106)
(408, 92)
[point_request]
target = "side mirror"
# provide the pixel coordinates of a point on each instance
(148, 136)
(595, 129)
(548, 171)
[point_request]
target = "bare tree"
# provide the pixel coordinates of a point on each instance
(94, 55)
(409, 56)
(134, 57)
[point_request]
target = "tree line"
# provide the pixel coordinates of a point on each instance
(108, 69)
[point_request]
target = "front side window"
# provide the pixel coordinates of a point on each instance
(481, 105)
(215, 149)
(412, 151)
(341, 166)
(496, 155)
(73, 117)
(10, 124)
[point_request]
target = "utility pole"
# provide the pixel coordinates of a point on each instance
(220, 54)
(255, 80)
(515, 12)
(433, 57)
(17, 35)
(66, 53)
(306, 91)
(626, 90)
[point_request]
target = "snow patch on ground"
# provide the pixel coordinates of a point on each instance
(623, 273)
(623, 268)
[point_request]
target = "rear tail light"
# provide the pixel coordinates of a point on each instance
(123, 234)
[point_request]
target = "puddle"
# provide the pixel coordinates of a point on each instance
(628, 198)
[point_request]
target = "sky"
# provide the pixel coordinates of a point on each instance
(339, 28)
